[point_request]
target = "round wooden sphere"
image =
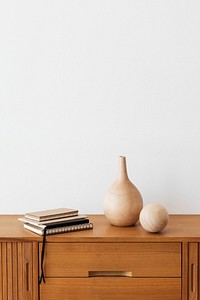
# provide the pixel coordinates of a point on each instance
(154, 217)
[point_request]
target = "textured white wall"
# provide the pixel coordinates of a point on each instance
(82, 82)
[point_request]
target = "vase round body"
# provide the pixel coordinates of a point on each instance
(123, 202)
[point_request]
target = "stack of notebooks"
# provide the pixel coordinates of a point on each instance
(54, 221)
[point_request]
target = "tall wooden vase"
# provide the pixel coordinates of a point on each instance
(123, 202)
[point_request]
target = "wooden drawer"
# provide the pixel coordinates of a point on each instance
(129, 259)
(111, 288)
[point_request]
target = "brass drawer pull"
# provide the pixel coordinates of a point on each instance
(109, 274)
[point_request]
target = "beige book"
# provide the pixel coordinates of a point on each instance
(51, 214)
(52, 221)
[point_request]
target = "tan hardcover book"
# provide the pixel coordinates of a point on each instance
(51, 214)
(52, 221)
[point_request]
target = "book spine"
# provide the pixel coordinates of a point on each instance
(68, 228)
(39, 231)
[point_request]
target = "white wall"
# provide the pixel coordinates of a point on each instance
(82, 82)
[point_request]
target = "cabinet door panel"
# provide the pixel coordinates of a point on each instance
(111, 288)
(193, 271)
(17, 279)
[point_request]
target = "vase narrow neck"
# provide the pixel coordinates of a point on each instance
(122, 170)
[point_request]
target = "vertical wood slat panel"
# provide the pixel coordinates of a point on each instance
(193, 271)
(9, 271)
(17, 278)
(20, 270)
(1, 280)
(15, 271)
(4, 271)
(35, 271)
(185, 271)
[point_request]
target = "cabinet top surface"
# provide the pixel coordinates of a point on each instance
(180, 228)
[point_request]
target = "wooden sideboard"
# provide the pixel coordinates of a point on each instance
(107, 262)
